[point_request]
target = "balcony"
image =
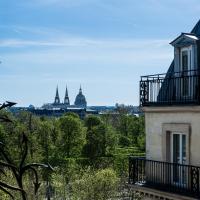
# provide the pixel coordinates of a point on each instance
(173, 88)
(165, 176)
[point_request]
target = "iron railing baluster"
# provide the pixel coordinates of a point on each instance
(172, 177)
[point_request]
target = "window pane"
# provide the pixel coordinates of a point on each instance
(176, 148)
(185, 60)
(184, 147)
(185, 78)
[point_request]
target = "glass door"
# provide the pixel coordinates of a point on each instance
(179, 158)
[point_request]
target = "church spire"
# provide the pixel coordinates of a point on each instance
(57, 98)
(80, 90)
(66, 99)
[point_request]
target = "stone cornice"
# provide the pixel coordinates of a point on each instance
(171, 109)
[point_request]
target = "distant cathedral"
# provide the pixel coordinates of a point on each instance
(57, 99)
(80, 101)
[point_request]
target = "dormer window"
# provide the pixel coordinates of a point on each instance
(185, 64)
(185, 52)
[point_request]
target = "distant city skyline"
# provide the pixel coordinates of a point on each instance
(104, 45)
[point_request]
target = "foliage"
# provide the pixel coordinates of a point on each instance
(101, 140)
(141, 142)
(16, 169)
(92, 121)
(72, 137)
(99, 185)
(89, 155)
(74, 115)
(124, 141)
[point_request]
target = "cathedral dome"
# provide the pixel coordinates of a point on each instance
(80, 100)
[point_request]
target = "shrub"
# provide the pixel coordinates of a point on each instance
(99, 185)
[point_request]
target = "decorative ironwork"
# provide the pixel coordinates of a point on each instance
(18, 171)
(195, 180)
(143, 92)
(170, 89)
(171, 177)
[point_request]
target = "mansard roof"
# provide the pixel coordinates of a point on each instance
(196, 29)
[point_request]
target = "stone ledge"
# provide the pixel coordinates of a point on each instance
(150, 194)
(170, 109)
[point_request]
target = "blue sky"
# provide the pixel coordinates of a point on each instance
(104, 45)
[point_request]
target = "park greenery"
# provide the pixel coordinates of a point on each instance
(89, 156)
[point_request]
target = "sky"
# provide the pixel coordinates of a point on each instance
(102, 45)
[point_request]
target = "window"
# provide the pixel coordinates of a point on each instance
(186, 65)
(179, 157)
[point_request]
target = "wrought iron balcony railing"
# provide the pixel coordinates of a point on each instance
(164, 176)
(170, 89)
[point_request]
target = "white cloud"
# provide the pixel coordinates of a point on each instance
(67, 55)
(58, 3)
(80, 42)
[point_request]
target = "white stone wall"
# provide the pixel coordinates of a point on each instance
(180, 118)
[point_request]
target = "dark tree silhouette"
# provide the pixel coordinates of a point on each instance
(17, 170)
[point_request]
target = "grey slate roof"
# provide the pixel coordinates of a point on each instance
(196, 29)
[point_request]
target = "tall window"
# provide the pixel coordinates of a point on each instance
(185, 70)
(186, 66)
(185, 61)
(179, 156)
